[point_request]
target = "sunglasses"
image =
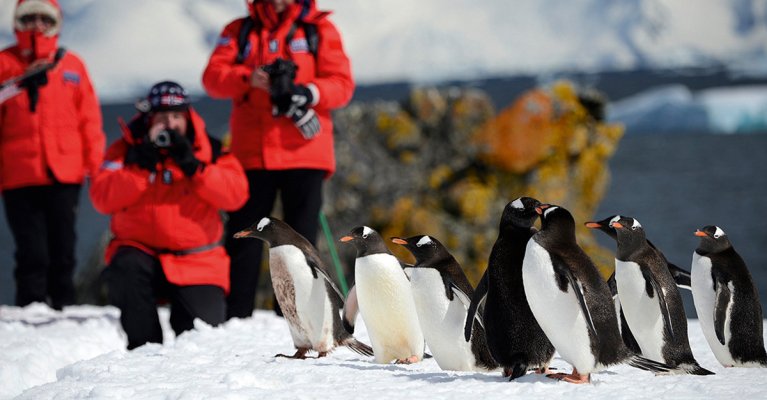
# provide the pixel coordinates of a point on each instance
(32, 18)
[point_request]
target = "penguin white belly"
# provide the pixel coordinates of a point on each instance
(642, 312)
(704, 298)
(558, 313)
(442, 321)
(387, 307)
(303, 299)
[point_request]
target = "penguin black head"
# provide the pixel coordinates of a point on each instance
(366, 240)
(556, 221)
(424, 248)
(712, 240)
(520, 213)
(264, 229)
(630, 234)
(604, 225)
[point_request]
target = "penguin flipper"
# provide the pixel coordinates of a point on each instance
(613, 285)
(564, 272)
(462, 297)
(480, 293)
(650, 280)
(721, 306)
(316, 271)
(681, 277)
(351, 309)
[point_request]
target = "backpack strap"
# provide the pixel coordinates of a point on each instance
(242, 39)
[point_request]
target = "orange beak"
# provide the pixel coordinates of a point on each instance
(592, 225)
(398, 241)
(243, 233)
(700, 233)
(346, 239)
(616, 225)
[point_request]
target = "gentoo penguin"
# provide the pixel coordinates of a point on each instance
(514, 337)
(681, 277)
(385, 300)
(651, 301)
(442, 294)
(726, 301)
(309, 299)
(571, 301)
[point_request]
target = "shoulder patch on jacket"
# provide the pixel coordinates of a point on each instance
(223, 41)
(72, 77)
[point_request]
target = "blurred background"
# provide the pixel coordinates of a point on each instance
(655, 109)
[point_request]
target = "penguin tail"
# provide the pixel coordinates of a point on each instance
(693, 369)
(648, 365)
(357, 347)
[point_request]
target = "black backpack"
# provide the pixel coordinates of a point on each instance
(312, 38)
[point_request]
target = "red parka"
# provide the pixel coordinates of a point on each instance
(260, 140)
(63, 135)
(166, 220)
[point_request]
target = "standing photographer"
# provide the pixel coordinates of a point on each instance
(164, 183)
(285, 69)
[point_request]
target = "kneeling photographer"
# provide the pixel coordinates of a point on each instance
(164, 183)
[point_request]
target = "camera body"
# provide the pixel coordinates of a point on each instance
(282, 90)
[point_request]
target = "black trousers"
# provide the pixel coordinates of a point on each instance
(42, 221)
(301, 196)
(135, 282)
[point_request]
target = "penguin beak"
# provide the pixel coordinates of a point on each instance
(346, 239)
(700, 233)
(243, 234)
(398, 241)
(616, 225)
(593, 225)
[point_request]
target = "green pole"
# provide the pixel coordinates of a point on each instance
(333, 253)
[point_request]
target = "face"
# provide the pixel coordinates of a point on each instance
(280, 5)
(175, 120)
(37, 22)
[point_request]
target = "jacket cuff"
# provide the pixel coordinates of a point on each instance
(315, 93)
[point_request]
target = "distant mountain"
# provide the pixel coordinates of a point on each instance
(129, 45)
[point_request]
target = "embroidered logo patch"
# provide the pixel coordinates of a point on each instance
(273, 46)
(223, 41)
(299, 45)
(72, 77)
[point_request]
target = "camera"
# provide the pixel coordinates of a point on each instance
(282, 89)
(163, 139)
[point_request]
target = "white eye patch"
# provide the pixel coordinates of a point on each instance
(424, 240)
(518, 204)
(615, 219)
(719, 233)
(261, 224)
(548, 210)
(636, 224)
(366, 231)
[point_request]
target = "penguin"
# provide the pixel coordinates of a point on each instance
(681, 277)
(442, 293)
(651, 301)
(309, 299)
(385, 300)
(514, 337)
(727, 301)
(572, 302)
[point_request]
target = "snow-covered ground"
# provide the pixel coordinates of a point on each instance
(80, 354)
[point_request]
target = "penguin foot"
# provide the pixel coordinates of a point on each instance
(545, 370)
(300, 354)
(409, 360)
(573, 377)
(322, 354)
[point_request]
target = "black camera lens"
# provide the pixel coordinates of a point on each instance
(162, 139)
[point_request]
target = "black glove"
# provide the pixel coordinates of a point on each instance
(144, 155)
(295, 105)
(182, 153)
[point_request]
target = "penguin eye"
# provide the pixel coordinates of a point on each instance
(717, 236)
(365, 236)
(633, 228)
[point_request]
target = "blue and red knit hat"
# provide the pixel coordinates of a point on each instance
(164, 96)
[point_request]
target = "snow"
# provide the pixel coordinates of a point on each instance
(129, 45)
(79, 353)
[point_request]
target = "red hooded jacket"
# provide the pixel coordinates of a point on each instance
(63, 138)
(260, 140)
(165, 219)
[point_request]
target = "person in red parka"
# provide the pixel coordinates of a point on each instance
(164, 184)
(50, 139)
(284, 79)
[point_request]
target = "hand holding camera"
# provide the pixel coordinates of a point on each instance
(291, 100)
